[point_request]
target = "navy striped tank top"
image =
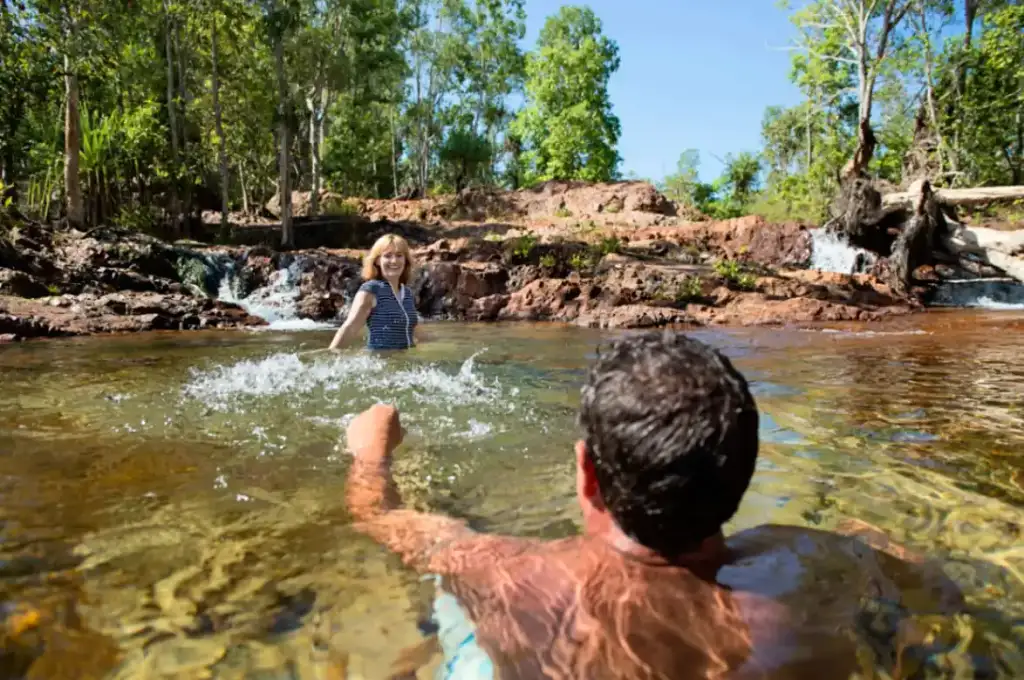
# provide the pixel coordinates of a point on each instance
(392, 321)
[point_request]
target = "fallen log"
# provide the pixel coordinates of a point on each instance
(956, 197)
(1001, 249)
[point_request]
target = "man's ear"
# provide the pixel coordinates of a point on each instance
(586, 478)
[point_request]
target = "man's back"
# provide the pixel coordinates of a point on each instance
(668, 446)
(788, 603)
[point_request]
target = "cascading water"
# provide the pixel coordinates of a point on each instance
(831, 253)
(276, 303)
(999, 294)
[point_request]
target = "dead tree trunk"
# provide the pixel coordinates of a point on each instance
(317, 105)
(72, 142)
(909, 229)
(172, 119)
(284, 162)
(914, 245)
(222, 155)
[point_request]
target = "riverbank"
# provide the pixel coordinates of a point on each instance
(603, 256)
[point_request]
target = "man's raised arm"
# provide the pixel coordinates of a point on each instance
(426, 542)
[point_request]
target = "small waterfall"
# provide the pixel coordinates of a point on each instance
(831, 253)
(276, 303)
(1000, 294)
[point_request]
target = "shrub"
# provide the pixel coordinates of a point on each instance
(609, 244)
(689, 288)
(524, 245)
(734, 275)
(581, 261)
(339, 207)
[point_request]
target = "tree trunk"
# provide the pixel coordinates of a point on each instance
(865, 149)
(185, 100)
(316, 105)
(72, 144)
(929, 100)
(996, 247)
(172, 120)
(913, 247)
(970, 14)
(957, 197)
(394, 159)
(222, 154)
(245, 189)
(284, 164)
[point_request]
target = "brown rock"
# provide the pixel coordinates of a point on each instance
(754, 309)
(634, 316)
(118, 313)
(476, 281)
(551, 299)
(487, 308)
(21, 284)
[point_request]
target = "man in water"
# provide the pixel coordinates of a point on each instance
(652, 589)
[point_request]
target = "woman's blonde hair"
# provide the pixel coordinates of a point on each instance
(371, 267)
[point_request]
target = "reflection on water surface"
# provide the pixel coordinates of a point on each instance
(172, 504)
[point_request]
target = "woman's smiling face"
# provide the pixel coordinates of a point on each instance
(392, 263)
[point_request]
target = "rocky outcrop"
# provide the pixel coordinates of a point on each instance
(559, 200)
(60, 283)
(480, 281)
(89, 314)
(615, 255)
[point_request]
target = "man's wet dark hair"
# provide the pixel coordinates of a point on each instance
(671, 429)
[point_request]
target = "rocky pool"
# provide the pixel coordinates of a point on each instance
(172, 504)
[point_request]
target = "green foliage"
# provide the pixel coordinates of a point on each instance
(987, 124)
(684, 186)
(548, 261)
(728, 196)
(338, 207)
(6, 201)
(567, 128)
(609, 245)
(136, 217)
(522, 246)
(689, 289)
(735, 275)
(581, 261)
(465, 155)
(563, 213)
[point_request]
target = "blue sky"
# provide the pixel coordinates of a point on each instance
(694, 74)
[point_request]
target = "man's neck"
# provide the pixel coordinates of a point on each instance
(705, 560)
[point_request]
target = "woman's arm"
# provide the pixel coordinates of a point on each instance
(362, 305)
(418, 334)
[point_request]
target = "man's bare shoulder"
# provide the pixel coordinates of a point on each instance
(799, 562)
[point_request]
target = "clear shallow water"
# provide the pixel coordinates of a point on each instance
(172, 503)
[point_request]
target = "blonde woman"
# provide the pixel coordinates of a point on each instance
(384, 302)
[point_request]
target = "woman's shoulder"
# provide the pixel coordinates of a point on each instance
(372, 286)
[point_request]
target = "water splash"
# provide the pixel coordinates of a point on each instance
(233, 387)
(276, 303)
(832, 253)
(1004, 294)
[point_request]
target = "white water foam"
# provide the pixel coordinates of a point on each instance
(831, 253)
(997, 295)
(276, 303)
(228, 388)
